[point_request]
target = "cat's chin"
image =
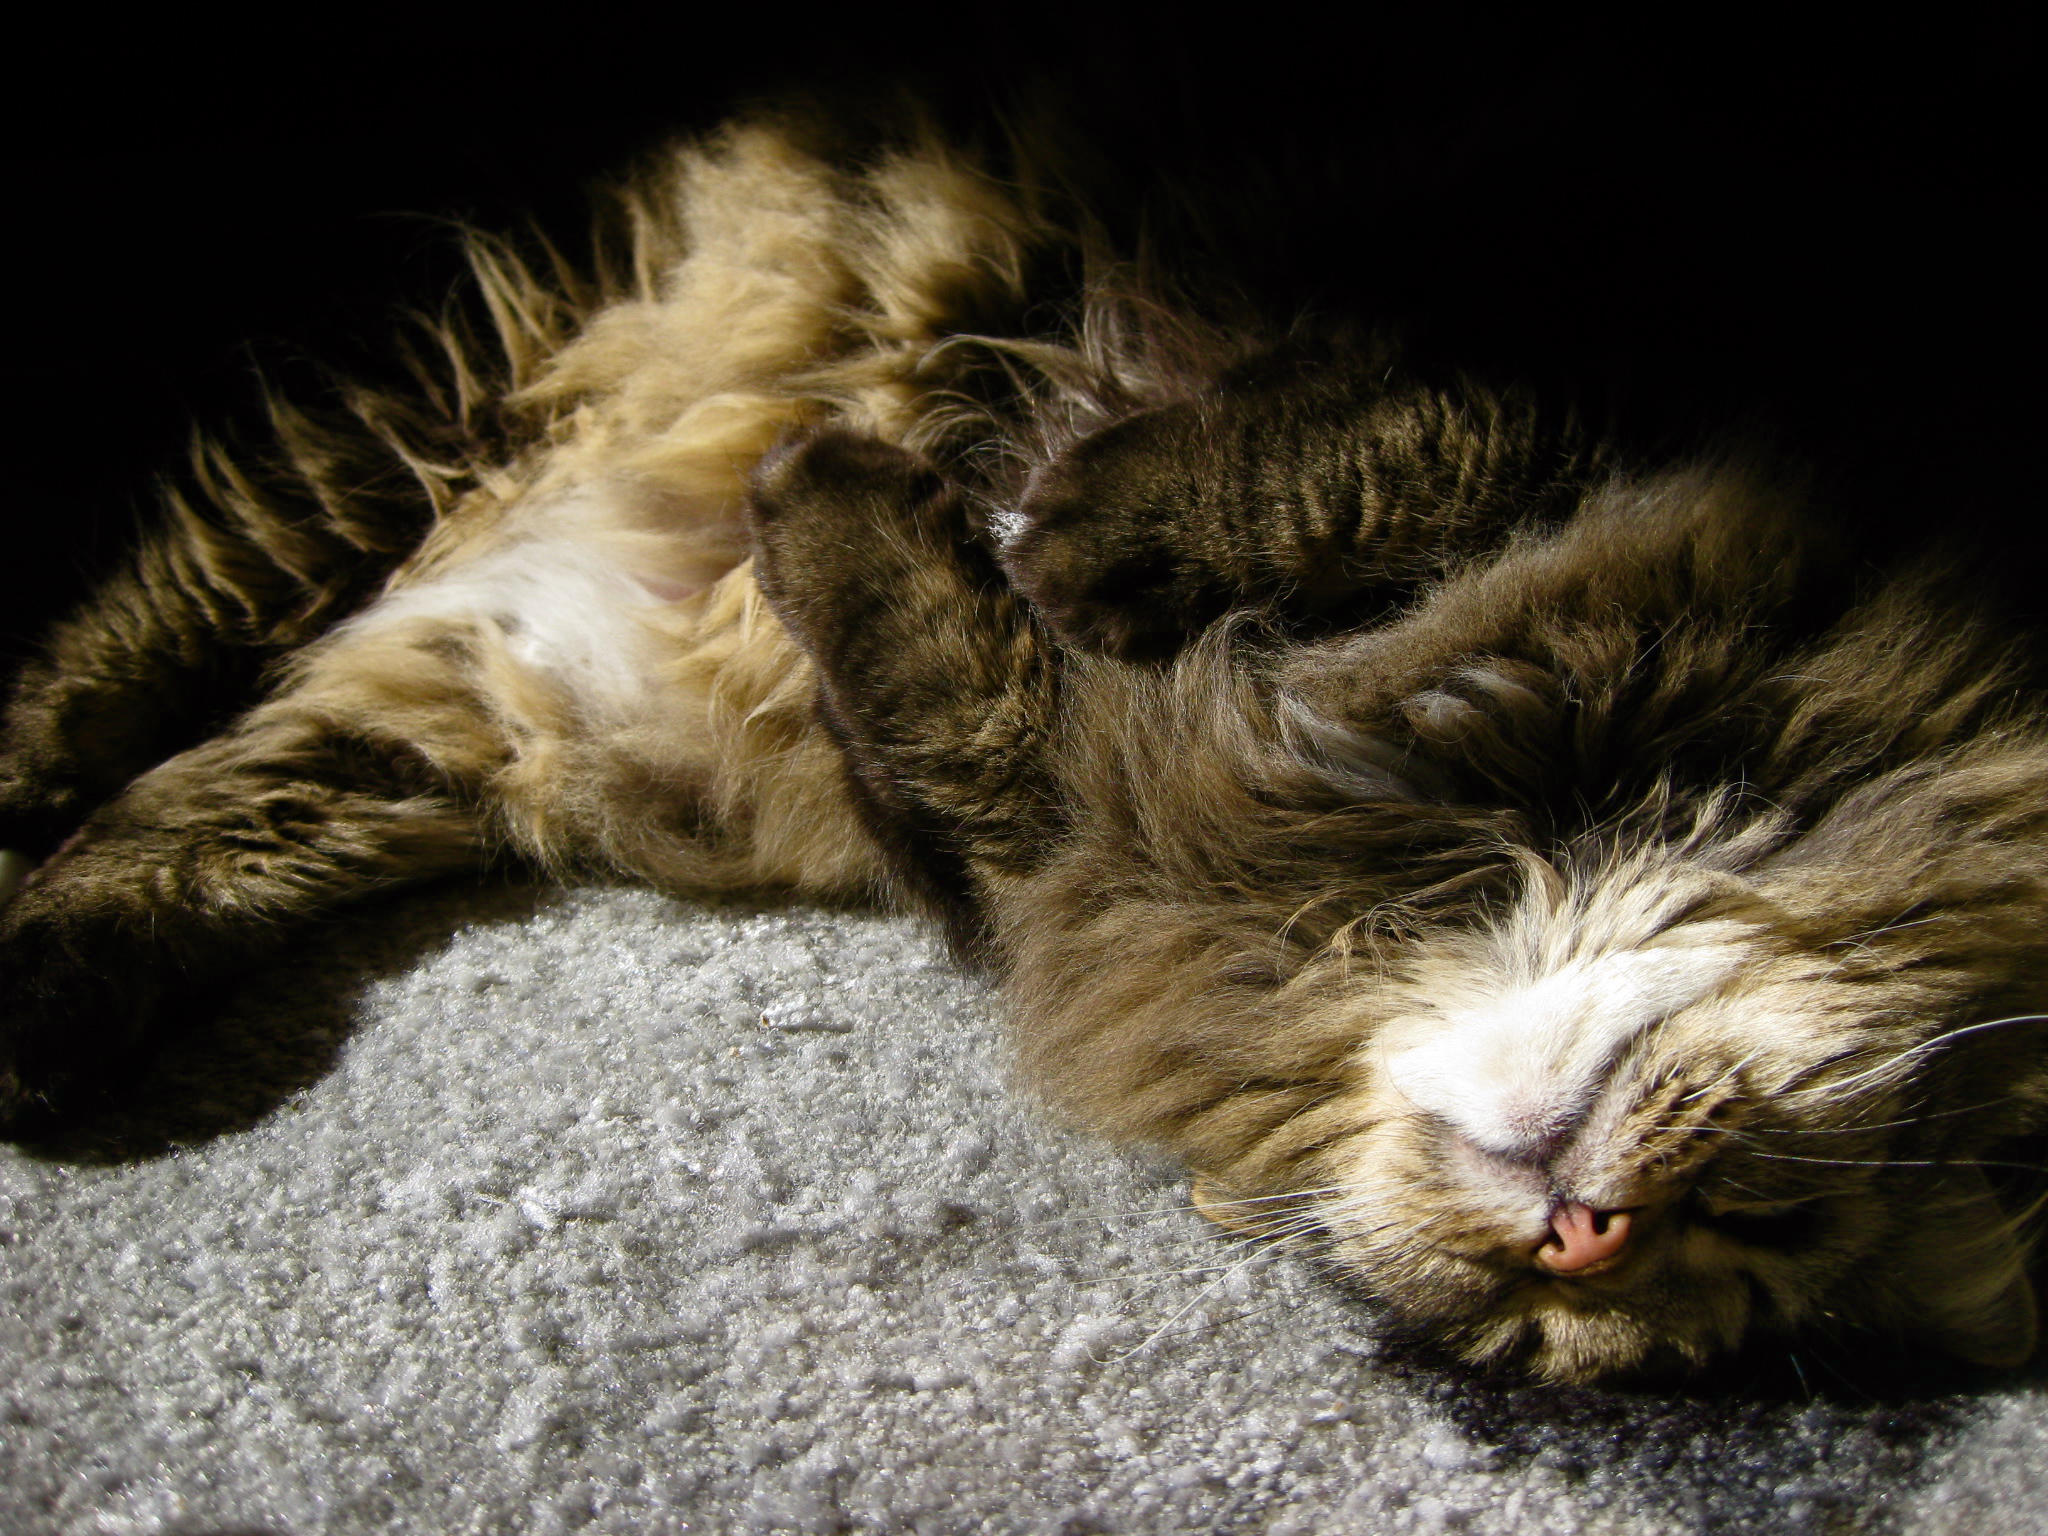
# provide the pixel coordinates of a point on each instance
(1768, 1360)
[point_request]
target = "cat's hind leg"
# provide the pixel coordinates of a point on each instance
(247, 564)
(355, 779)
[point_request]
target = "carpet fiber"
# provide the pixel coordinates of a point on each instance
(512, 1210)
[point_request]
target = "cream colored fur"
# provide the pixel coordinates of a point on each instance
(581, 639)
(1239, 912)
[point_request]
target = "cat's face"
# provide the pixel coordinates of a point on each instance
(1616, 1106)
(1631, 1121)
(1592, 983)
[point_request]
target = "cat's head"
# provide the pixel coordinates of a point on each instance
(1640, 1115)
(1634, 1119)
(1615, 1105)
(1585, 1072)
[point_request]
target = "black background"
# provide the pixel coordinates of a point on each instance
(1809, 234)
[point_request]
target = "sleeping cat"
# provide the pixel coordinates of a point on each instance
(1576, 903)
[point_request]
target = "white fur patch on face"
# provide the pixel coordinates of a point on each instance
(14, 868)
(1514, 1072)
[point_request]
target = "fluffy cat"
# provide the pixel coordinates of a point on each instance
(1577, 904)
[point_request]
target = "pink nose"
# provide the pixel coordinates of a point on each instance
(1584, 1237)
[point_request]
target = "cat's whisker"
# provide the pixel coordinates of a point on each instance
(1762, 1198)
(1293, 1229)
(1800, 1370)
(1329, 1224)
(1853, 1130)
(1291, 1233)
(1194, 1301)
(1846, 1085)
(1176, 1210)
(1899, 1162)
(1292, 1194)
(1140, 1276)
(1733, 1073)
(1879, 932)
(1257, 1231)
(1343, 1205)
(1860, 943)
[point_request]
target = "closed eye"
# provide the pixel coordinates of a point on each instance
(1765, 1224)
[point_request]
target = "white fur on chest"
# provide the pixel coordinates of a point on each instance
(562, 609)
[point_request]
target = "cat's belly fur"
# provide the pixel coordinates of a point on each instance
(574, 661)
(628, 686)
(580, 641)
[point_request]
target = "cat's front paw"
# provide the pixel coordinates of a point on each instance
(1104, 547)
(1099, 591)
(839, 485)
(838, 517)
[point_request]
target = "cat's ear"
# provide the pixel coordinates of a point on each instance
(1968, 1279)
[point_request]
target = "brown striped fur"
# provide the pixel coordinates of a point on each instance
(1260, 710)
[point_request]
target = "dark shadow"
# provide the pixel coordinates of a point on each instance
(239, 1054)
(1815, 1433)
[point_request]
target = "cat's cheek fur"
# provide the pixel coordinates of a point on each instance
(1963, 1279)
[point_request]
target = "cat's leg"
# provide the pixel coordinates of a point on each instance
(248, 566)
(932, 673)
(1308, 492)
(1639, 642)
(357, 778)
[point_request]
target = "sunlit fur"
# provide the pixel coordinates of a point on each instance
(1801, 1008)
(1598, 841)
(1822, 981)
(507, 612)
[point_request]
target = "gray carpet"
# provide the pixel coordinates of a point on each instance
(511, 1210)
